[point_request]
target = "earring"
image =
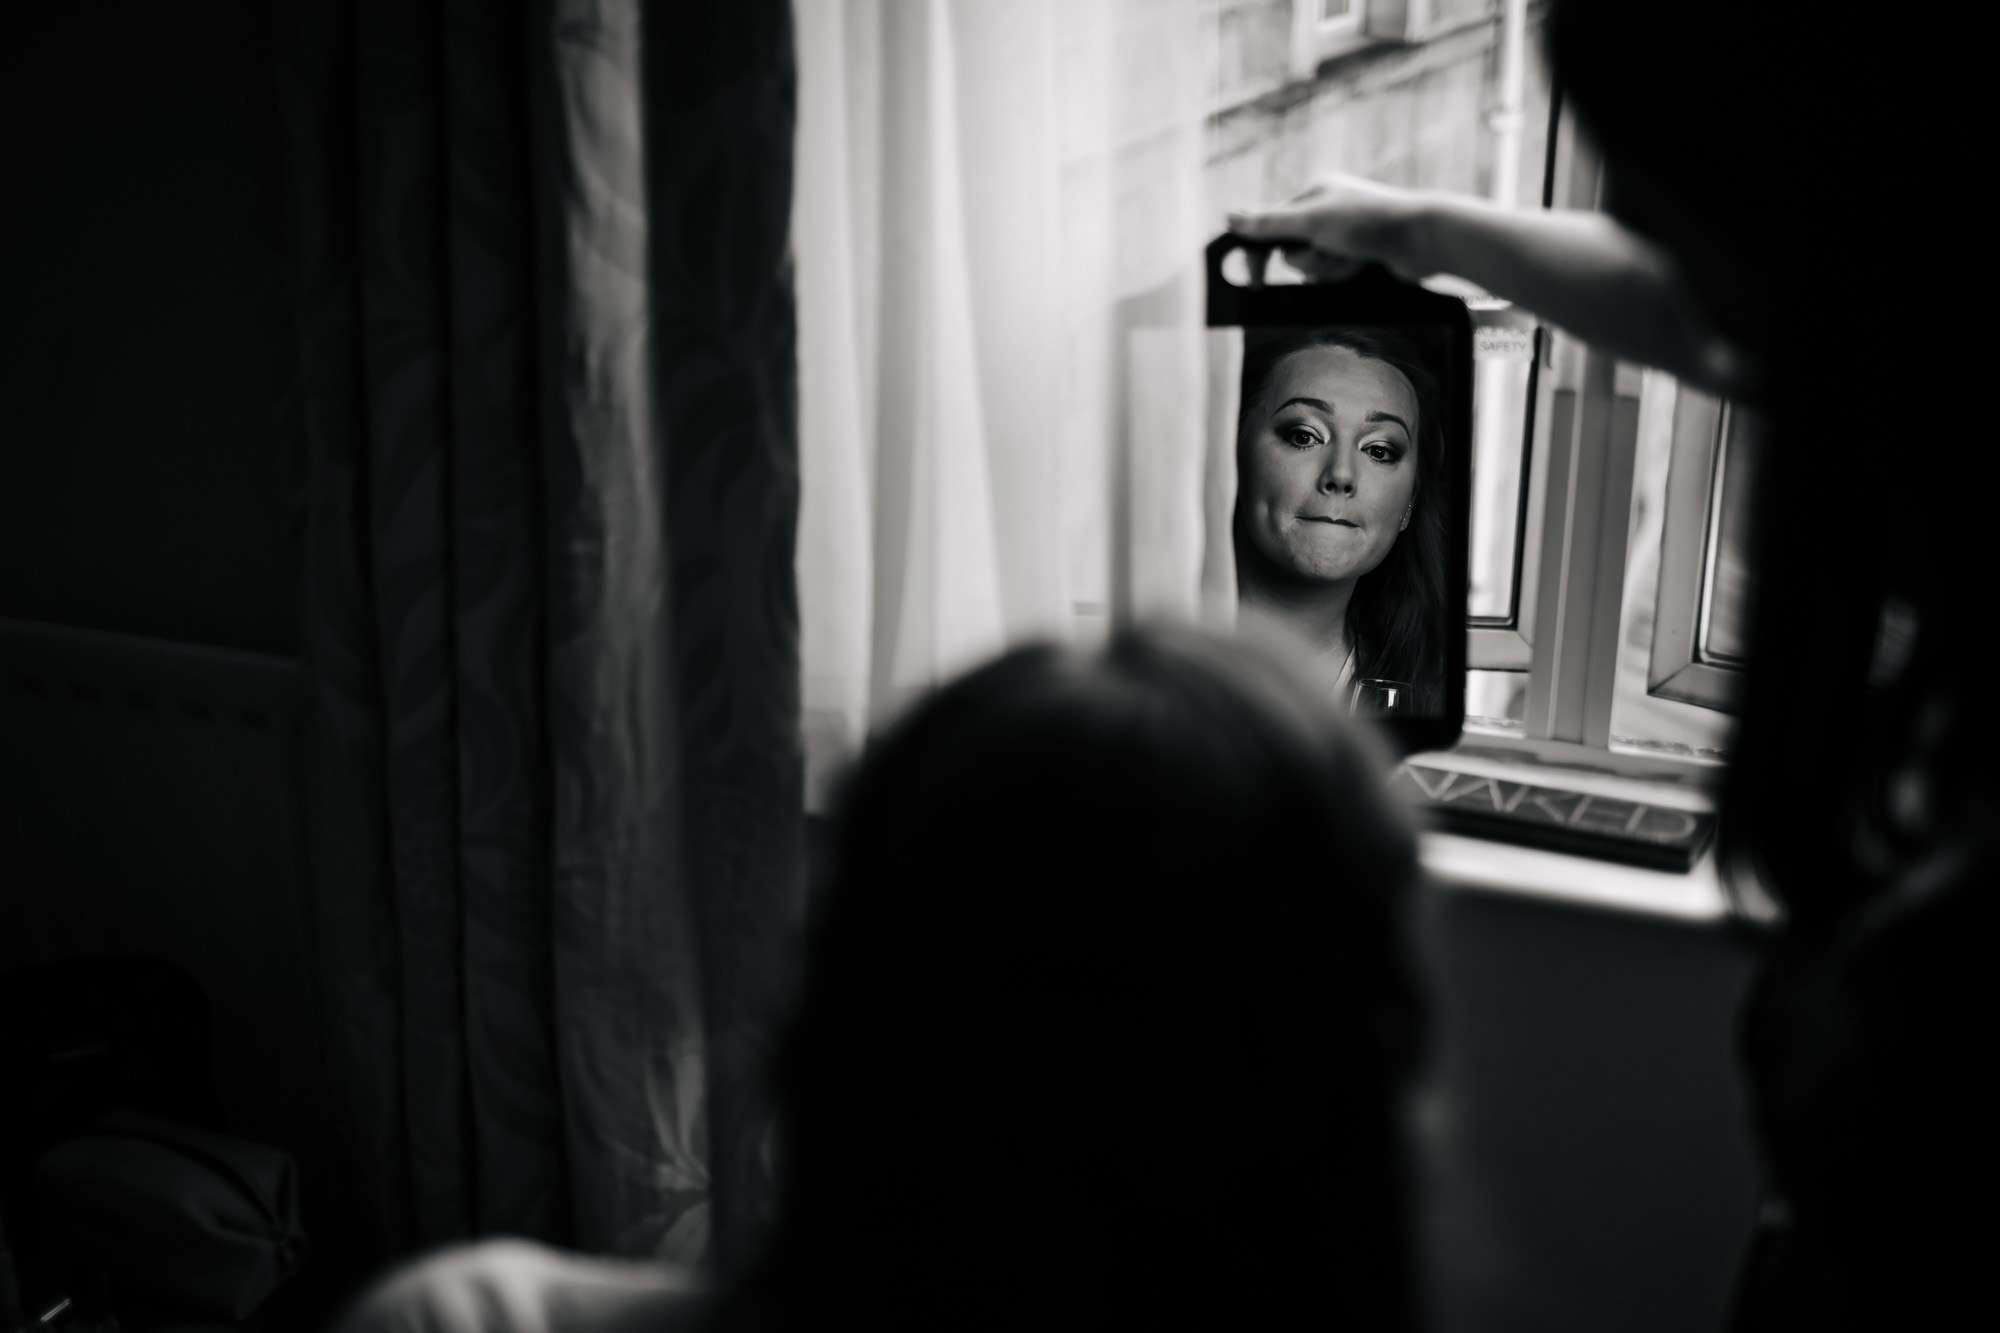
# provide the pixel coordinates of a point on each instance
(1407, 510)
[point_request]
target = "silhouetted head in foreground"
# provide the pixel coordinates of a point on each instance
(1107, 1005)
(1861, 796)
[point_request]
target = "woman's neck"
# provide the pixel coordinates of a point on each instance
(1313, 612)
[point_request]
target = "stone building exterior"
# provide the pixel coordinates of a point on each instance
(1426, 108)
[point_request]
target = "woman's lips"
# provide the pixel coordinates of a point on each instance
(1336, 522)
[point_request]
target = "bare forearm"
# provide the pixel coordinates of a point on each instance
(1583, 272)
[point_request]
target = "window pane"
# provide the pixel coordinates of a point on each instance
(1329, 10)
(1639, 720)
(1727, 576)
(1446, 13)
(1502, 360)
(1496, 701)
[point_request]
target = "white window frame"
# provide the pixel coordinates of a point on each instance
(1502, 643)
(1315, 39)
(1681, 668)
(1369, 23)
(1583, 445)
(1494, 646)
(1340, 24)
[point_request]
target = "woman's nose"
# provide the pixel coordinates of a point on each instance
(1337, 477)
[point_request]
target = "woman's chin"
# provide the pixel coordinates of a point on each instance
(1325, 570)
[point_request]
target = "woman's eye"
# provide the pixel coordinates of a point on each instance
(1301, 438)
(1382, 453)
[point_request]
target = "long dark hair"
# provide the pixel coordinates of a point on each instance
(1852, 649)
(1395, 622)
(1868, 728)
(1107, 989)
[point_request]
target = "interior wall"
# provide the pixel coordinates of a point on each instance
(149, 535)
(150, 464)
(147, 806)
(1585, 1141)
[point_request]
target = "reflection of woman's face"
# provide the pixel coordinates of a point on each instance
(1329, 462)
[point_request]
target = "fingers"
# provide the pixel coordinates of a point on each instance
(1300, 254)
(1319, 265)
(1296, 217)
(1272, 224)
(1289, 218)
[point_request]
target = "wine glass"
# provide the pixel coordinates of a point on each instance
(1376, 697)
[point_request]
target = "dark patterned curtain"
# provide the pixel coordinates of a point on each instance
(546, 342)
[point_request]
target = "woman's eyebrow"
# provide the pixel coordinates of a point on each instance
(1320, 403)
(1327, 408)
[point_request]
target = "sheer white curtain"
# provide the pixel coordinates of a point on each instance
(1004, 386)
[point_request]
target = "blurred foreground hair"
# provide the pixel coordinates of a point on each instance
(1107, 995)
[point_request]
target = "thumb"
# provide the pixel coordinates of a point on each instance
(1273, 224)
(1320, 266)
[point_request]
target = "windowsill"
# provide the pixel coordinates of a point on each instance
(1460, 861)
(1455, 861)
(1343, 53)
(1329, 52)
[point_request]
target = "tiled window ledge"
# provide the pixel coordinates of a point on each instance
(1455, 861)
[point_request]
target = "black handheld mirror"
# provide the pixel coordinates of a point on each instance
(1352, 507)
